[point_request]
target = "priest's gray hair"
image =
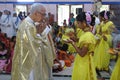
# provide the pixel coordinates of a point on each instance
(36, 7)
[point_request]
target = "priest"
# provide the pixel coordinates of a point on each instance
(33, 55)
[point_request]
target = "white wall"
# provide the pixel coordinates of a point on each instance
(52, 7)
(6, 6)
(88, 7)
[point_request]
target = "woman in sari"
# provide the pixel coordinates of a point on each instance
(116, 70)
(83, 65)
(103, 42)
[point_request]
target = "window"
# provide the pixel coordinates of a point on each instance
(105, 7)
(74, 8)
(63, 13)
(20, 8)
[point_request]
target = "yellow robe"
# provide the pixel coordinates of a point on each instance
(83, 66)
(116, 71)
(31, 54)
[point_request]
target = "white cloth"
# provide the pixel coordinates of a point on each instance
(2, 22)
(46, 31)
(116, 40)
(62, 63)
(97, 21)
(16, 23)
(31, 76)
(6, 25)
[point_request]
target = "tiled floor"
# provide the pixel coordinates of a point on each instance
(8, 77)
(63, 75)
(5, 77)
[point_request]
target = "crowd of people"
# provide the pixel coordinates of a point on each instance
(40, 46)
(9, 23)
(90, 41)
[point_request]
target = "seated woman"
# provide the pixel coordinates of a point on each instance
(3, 56)
(58, 65)
(11, 52)
(103, 42)
(69, 34)
(62, 55)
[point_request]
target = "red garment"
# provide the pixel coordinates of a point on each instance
(51, 19)
(67, 63)
(9, 66)
(62, 55)
(2, 64)
(4, 40)
(118, 46)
